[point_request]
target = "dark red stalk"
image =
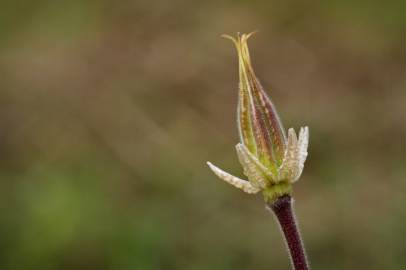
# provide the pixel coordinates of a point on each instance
(283, 210)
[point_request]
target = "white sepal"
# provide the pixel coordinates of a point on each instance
(302, 150)
(295, 155)
(256, 172)
(233, 180)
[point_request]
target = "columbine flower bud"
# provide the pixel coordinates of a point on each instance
(270, 160)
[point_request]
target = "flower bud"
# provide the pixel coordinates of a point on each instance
(270, 160)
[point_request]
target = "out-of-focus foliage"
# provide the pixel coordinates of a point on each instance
(109, 110)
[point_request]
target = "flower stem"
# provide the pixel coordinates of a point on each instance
(283, 210)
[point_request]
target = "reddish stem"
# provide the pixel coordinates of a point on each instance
(283, 210)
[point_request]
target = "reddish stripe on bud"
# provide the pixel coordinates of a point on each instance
(260, 128)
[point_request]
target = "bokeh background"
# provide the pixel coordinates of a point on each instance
(110, 109)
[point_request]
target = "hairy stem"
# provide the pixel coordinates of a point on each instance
(283, 210)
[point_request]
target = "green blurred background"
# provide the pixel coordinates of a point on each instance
(110, 109)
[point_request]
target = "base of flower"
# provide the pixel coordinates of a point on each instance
(275, 191)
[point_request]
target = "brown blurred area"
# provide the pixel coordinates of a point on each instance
(110, 109)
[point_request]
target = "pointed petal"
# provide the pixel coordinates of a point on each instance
(275, 131)
(260, 128)
(233, 180)
(257, 173)
(244, 119)
(253, 108)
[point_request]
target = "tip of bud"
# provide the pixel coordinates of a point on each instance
(240, 39)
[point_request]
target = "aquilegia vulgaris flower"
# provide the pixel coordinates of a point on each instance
(270, 160)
